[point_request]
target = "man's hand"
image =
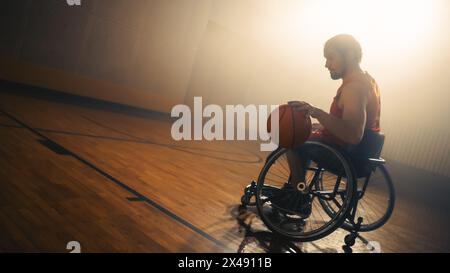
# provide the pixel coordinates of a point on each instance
(305, 107)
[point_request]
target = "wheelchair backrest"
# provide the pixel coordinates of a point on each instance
(370, 145)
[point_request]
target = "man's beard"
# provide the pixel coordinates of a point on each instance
(335, 76)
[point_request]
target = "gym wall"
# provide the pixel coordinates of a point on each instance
(137, 52)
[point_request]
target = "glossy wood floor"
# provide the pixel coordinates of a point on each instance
(115, 181)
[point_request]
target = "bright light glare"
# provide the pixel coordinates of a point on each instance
(390, 26)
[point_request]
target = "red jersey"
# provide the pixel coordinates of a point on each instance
(373, 108)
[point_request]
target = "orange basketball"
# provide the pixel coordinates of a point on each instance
(294, 127)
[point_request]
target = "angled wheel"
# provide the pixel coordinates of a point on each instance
(297, 213)
(376, 200)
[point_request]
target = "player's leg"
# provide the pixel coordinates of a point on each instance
(297, 161)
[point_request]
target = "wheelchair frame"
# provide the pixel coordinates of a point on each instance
(354, 226)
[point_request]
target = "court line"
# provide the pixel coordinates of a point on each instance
(112, 129)
(171, 146)
(176, 147)
(121, 184)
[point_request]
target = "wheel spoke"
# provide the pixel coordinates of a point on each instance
(283, 207)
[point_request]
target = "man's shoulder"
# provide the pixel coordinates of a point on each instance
(354, 92)
(356, 89)
(361, 81)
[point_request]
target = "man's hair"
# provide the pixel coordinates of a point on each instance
(343, 43)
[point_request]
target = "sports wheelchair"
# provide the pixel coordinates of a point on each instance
(354, 192)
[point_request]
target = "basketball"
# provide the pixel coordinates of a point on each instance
(294, 127)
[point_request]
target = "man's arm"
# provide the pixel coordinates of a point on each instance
(351, 127)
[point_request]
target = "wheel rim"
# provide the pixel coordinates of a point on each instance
(376, 204)
(296, 223)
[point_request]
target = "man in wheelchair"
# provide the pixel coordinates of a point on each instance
(354, 114)
(306, 192)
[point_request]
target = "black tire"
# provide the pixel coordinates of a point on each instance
(350, 240)
(336, 220)
(378, 220)
(244, 200)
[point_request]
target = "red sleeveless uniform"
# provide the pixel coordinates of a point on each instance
(373, 109)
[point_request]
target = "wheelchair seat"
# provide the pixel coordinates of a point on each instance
(365, 156)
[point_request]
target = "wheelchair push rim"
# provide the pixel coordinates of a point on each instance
(376, 200)
(300, 226)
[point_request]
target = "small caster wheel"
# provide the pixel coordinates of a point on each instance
(350, 240)
(249, 192)
(245, 200)
(347, 249)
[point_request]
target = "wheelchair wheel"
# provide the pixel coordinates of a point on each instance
(376, 200)
(297, 214)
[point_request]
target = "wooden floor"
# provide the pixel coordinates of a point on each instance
(115, 181)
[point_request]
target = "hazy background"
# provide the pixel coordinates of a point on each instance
(155, 54)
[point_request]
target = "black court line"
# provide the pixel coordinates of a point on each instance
(113, 129)
(143, 141)
(138, 195)
(177, 147)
